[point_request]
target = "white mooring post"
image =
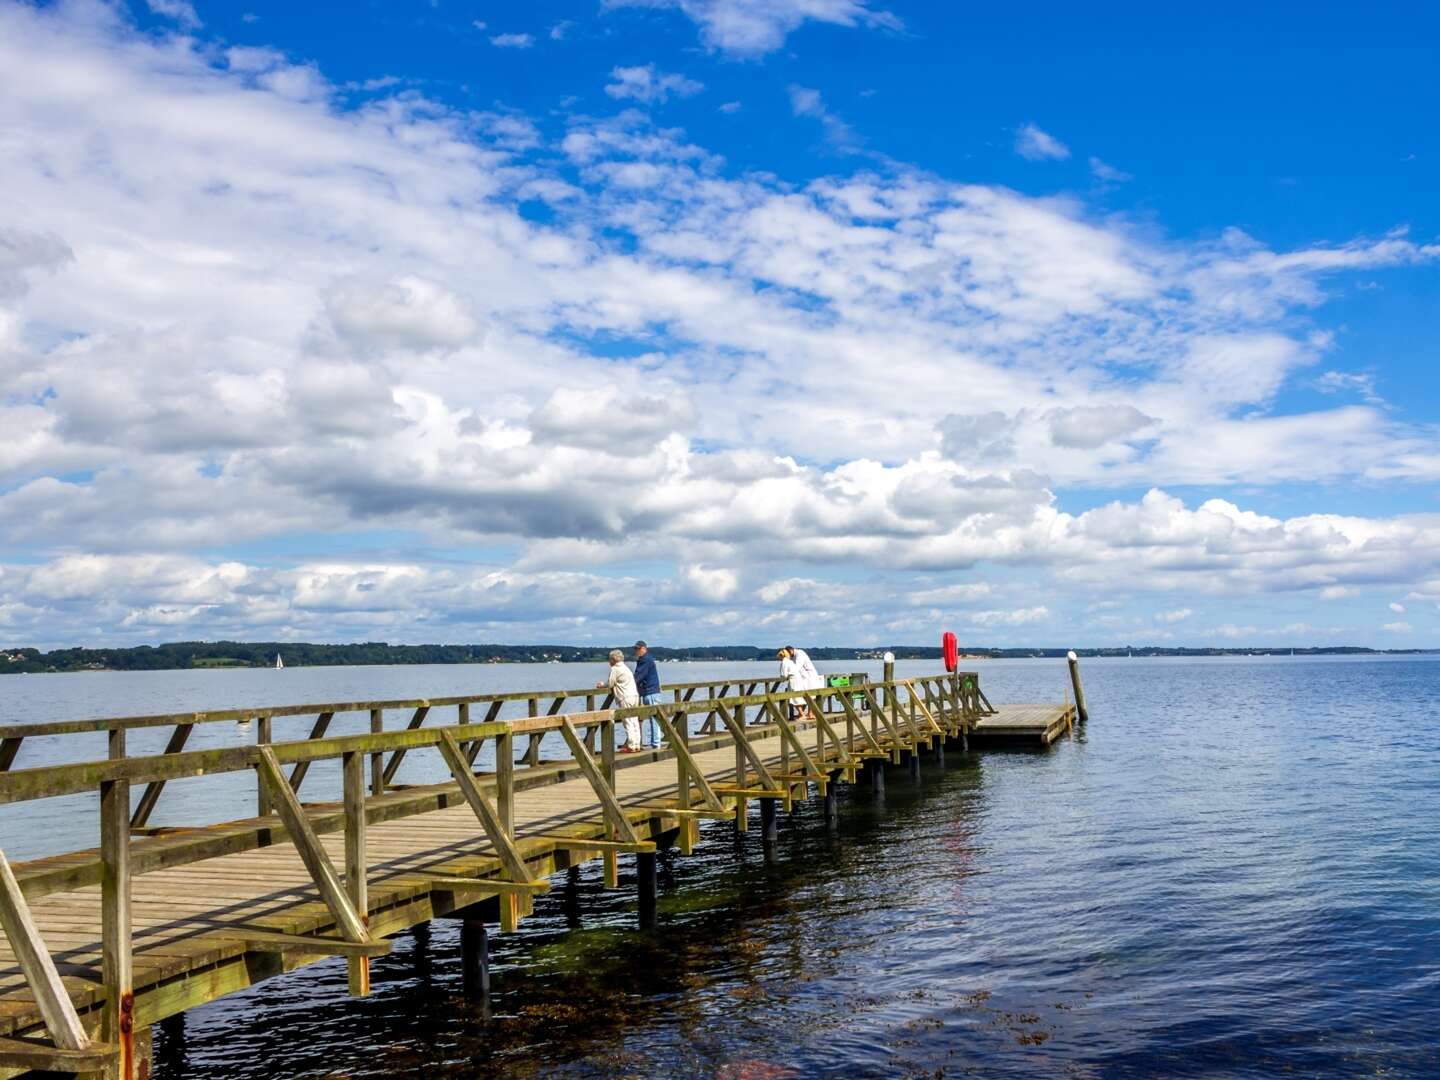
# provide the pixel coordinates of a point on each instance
(1081, 713)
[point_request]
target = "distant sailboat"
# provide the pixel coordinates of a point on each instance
(278, 662)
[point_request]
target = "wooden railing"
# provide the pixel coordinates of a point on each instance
(849, 725)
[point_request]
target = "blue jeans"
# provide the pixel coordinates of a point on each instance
(651, 727)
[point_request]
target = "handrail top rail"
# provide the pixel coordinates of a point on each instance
(210, 716)
(49, 781)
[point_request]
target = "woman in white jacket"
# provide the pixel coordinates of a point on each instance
(813, 678)
(799, 674)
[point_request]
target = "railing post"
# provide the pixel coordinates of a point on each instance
(742, 805)
(263, 804)
(512, 907)
(784, 745)
(607, 770)
(353, 770)
(377, 759)
(680, 722)
(118, 1017)
(532, 751)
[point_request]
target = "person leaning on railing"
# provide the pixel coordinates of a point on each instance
(622, 688)
(800, 674)
(647, 685)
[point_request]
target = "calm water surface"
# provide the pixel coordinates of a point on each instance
(1234, 872)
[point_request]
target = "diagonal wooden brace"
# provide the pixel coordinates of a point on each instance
(787, 732)
(842, 756)
(302, 835)
(861, 725)
(693, 771)
(762, 773)
(877, 710)
(613, 810)
(396, 757)
(56, 1008)
(297, 774)
(920, 704)
(489, 818)
(178, 738)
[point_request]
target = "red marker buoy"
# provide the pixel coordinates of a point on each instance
(951, 649)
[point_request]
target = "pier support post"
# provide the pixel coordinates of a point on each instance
(1081, 712)
(832, 805)
(877, 775)
(570, 899)
(888, 698)
(769, 828)
(646, 888)
(475, 958)
(168, 1055)
(940, 752)
(118, 1015)
(915, 763)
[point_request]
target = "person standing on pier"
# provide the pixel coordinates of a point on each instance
(800, 674)
(622, 688)
(647, 684)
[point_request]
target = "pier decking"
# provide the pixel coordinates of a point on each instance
(101, 944)
(1035, 724)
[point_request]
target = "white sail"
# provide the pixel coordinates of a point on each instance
(278, 662)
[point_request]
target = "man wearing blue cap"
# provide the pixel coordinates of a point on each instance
(647, 682)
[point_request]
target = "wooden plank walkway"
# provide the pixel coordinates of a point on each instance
(194, 914)
(1041, 724)
(189, 921)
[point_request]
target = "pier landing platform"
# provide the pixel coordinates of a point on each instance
(1037, 724)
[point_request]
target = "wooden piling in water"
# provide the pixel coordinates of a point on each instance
(475, 958)
(769, 824)
(1081, 712)
(646, 887)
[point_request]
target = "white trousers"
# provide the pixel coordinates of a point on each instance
(632, 732)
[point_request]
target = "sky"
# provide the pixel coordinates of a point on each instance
(841, 322)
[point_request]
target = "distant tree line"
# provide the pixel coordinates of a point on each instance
(217, 654)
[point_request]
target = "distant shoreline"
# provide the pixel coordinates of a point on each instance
(219, 655)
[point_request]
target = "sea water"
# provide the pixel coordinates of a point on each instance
(1234, 871)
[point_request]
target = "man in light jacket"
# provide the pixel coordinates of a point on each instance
(622, 688)
(647, 684)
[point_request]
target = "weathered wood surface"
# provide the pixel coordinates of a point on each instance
(216, 908)
(1042, 724)
(199, 915)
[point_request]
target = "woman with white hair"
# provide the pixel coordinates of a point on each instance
(622, 688)
(800, 674)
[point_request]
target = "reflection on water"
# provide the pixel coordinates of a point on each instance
(1232, 873)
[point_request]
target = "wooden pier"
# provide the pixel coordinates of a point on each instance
(98, 945)
(1034, 724)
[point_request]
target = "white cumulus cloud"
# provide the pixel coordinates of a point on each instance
(648, 85)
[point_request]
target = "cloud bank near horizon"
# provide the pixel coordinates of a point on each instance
(281, 362)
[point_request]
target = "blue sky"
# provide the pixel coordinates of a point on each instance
(838, 320)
